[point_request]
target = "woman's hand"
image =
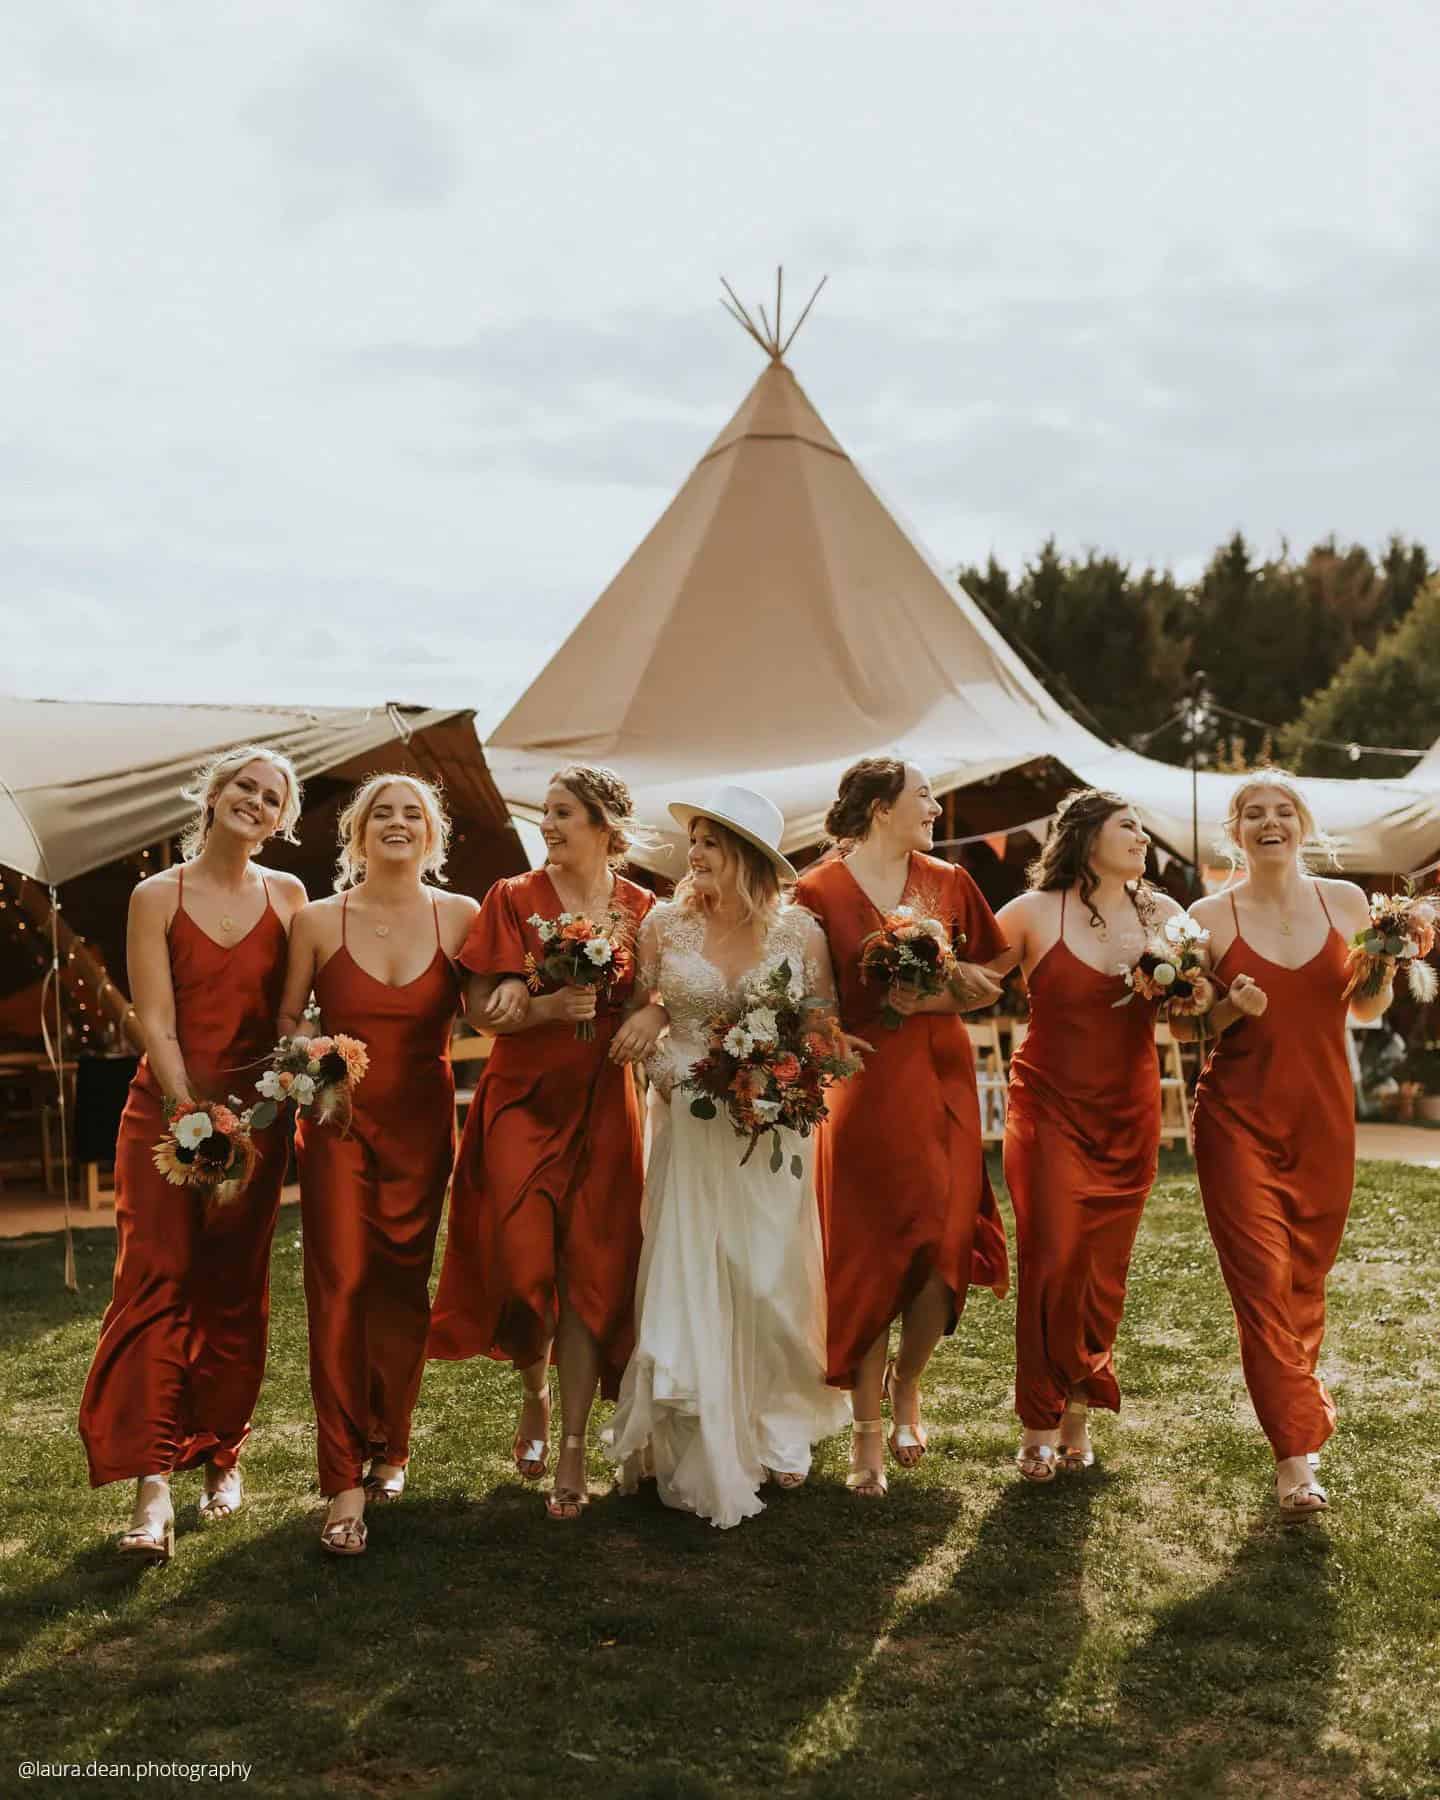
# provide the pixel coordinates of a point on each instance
(639, 1034)
(508, 1006)
(854, 1046)
(978, 987)
(1248, 997)
(907, 1000)
(568, 1003)
(1202, 994)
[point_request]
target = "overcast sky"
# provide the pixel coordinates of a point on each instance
(352, 345)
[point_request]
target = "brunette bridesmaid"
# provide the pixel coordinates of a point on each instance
(911, 1221)
(1082, 1129)
(1275, 1113)
(544, 1239)
(379, 958)
(182, 1346)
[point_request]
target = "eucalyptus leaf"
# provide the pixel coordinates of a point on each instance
(263, 1114)
(703, 1108)
(777, 1157)
(797, 1168)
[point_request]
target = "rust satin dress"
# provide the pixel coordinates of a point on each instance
(1275, 1152)
(182, 1346)
(550, 1172)
(1082, 1139)
(371, 1198)
(899, 1166)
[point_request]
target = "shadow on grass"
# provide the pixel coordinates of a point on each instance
(33, 1295)
(478, 1635)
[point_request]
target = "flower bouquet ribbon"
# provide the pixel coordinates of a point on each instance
(318, 1075)
(1401, 930)
(769, 1063)
(208, 1147)
(578, 952)
(1170, 969)
(910, 950)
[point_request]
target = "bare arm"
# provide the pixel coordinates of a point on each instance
(301, 968)
(147, 952)
(647, 1018)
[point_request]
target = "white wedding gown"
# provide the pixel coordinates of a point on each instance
(727, 1379)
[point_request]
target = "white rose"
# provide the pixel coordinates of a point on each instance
(738, 1041)
(598, 951)
(193, 1129)
(269, 1085)
(762, 1025)
(303, 1091)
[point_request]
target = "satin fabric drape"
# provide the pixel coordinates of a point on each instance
(1082, 1139)
(549, 1177)
(181, 1353)
(371, 1199)
(900, 1169)
(1275, 1152)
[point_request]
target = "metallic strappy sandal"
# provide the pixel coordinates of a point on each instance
(345, 1537)
(384, 1490)
(905, 1435)
(1301, 1499)
(1037, 1462)
(532, 1455)
(864, 1482)
(153, 1538)
(224, 1500)
(1072, 1458)
(565, 1504)
(786, 1478)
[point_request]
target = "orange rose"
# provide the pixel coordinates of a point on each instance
(785, 1068)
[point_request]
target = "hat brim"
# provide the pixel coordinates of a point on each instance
(683, 813)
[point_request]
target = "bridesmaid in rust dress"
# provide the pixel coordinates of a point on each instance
(379, 958)
(182, 1347)
(544, 1240)
(1275, 1114)
(911, 1221)
(1082, 1129)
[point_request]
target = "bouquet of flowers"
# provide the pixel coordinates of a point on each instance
(769, 1064)
(1401, 930)
(318, 1074)
(207, 1146)
(909, 950)
(1169, 969)
(578, 953)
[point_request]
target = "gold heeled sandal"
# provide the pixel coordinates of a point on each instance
(345, 1536)
(383, 1490)
(151, 1533)
(565, 1504)
(223, 1500)
(1072, 1458)
(1037, 1462)
(786, 1479)
(863, 1481)
(532, 1455)
(1301, 1499)
(908, 1439)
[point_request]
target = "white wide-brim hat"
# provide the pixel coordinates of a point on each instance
(748, 814)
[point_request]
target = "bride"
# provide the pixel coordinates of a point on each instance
(726, 1387)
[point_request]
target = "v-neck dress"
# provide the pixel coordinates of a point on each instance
(550, 1173)
(1082, 1138)
(900, 1168)
(1275, 1153)
(182, 1347)
(371, 1196)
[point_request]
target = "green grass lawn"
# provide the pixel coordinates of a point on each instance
(1149, 1628)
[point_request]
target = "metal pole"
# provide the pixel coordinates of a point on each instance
(57, 1062)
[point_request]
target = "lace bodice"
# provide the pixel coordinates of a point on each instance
(671, 961)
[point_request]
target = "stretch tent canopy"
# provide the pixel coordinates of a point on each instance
(84, 784)
(778, 621)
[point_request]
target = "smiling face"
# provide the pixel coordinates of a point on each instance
(1119, 846)
(908, 821)
(573, 838)
(1268, 827)
(397, 830)
(251, 803)
(712, 865)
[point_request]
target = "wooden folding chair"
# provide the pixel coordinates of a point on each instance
(469, 1050)
(990, 1077)
(1174, 1094)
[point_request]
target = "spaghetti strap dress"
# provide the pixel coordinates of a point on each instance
(181, 1353)
(1082, 1141)
(900, 1168)
(371, 1196)
(550, 1174)
(1275, 1152)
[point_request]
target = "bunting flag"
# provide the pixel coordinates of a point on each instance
(999, 840)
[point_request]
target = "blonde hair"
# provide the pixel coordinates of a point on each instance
(207, 784)
(757, 880)
(350, 869)
(1315, 844)
(607, 803)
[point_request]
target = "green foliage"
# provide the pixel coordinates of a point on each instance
(1386, 695)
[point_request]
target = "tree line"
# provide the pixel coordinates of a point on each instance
(1259, 657)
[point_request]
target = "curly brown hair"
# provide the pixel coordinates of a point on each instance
(606, 800)
(871, 782)
(1064, 862)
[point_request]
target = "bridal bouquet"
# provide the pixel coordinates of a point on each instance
(578, 953)
(208, 1147)
(911, 951)
(1169, 969)
(769, 1063)
(318, 1075)
(1401, 930)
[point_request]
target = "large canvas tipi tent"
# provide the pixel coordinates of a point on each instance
(778, 622)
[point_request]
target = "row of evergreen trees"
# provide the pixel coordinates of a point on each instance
(1280, 652)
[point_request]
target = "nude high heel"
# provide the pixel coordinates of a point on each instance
(566, 1504)
(151, 1533)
